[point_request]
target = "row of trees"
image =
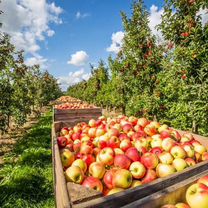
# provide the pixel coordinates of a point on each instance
(166, 80)
(23, 89)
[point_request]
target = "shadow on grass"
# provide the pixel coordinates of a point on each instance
(28, 182)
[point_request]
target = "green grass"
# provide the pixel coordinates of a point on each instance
(28, 182)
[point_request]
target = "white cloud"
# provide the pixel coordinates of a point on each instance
(28, 22)
(79, 15)
(73, 78)
(117, 40)
(79, 58)
(37, 60)
(155, 19)
(204, 16)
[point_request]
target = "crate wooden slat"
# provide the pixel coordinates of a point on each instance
(130, 195)
(170, 195)
(81, 114)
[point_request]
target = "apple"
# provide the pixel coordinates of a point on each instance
(97, 170)
(108, 178)
(190, 162)
(135, 136)
(137, 170)
(127, 127)
(133, 120)
(62, 141)
(114, 142)
(179, 164)
(106, 156)
(93, 183)
(86, 149)
(182, 205)
(163, 128)
(197, 196)
(122, 178)
(96, 150)
(198, 157)
(142, 122)
(156, 150)
(92, 132)
(74, 174)
(200, 148)
(123, 136)
(194, 142)
(125, 144)
(133, 154)
(184, 139)
(122, 161)
(88, 159)
(150, 130)
(136, 183)
(165, 158)
(75, 136)
(80, 163)
(77, 146)
(178, 152)
(85, 139)
(175, 135)
(188, 135)
(113, 132)
(204, 156)
(149, 176)
(118, 151)
(168, 206)
(203, 180)
(92, 123)
(156, 142)
(77, 129)
(164, 170)
(64, 131)
(149, 160)
(189, 149)
(167, 143)
(114, 191)
(67, 158)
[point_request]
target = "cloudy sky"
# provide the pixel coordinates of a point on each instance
(64, 36)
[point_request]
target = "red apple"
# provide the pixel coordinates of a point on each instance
(88, 159)
(125, 144)
(86, 149)
(156, 150)
(62, 141)
(149, 176)
(93, 183)
(150, 130)
(114, 142)
(92, 132)
(92, 123)
(190, 162)
(123, 136)
(189, 149)
(122, 161)
(75, 136)
(149, 160)
(133, 154)
(113, 132)
(64, 131)
(108, 178)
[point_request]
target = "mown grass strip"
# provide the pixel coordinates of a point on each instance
(28, 182)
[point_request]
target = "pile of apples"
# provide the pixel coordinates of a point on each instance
(67, 99)
(75, 105)
(114, 154)
(196, 195)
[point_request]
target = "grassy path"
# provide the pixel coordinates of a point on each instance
(27, 182)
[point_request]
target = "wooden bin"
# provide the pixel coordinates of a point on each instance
(76, 115)
(170, 195)
(63, 190)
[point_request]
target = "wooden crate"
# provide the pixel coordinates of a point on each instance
(170, 195)
(63, 190)
(76, 115)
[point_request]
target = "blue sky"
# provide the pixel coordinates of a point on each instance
(64, 36)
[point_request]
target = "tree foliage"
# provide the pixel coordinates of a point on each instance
(167, 80)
